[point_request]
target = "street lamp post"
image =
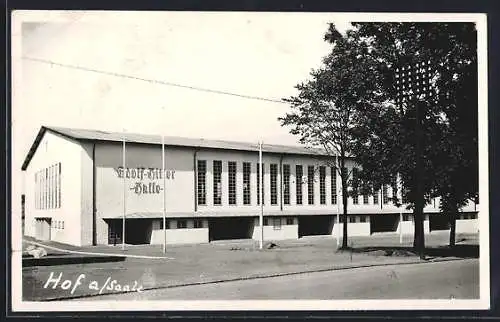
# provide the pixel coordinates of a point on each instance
(124, 191)
(164, 194)
(261, 179)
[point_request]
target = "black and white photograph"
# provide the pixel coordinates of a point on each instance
(211, 160)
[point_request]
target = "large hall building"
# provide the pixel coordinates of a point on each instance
(78, 192)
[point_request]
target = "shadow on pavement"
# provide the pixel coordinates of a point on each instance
(67, 259)
(460, 251)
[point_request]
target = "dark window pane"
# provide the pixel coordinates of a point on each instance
(232, 182)
(274, 183)
(322, 185)
(201, 186)
(298, 184)
(286, 184)
(310, 185)
(217, 177)
(246, 183)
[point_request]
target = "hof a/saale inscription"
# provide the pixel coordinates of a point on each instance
(146, 179)
(94, 285)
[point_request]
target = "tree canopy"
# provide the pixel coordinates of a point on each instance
(324, 113)
(449, 117)
(349, 108)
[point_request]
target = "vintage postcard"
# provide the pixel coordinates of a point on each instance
(249, 161)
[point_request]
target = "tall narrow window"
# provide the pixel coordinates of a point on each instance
(45, 188)
(56, 180)
(394, 189)
(385, 198)
(274, 183)
(322, 185)
(355, 186)
(298, 183)
(217, 165)
(259, 173)
(51, 185)
(404, 192)
(231, 166)
(334, 185)
(310, 185)
(40, 190)
(286, 184)
(365, 191)
(201, 186)
(246, 183)
(46, 170)
(59, 178)
(36, 190)
(375, 196)
(40, 186)
(48, 187)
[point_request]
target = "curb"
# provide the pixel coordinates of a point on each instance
(263, 276)
(66, 260)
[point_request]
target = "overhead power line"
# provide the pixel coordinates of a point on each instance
(154, 81)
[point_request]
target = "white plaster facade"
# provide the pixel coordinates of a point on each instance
(53, 149)
(93, 193)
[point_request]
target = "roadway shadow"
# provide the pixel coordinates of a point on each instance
(459, 251)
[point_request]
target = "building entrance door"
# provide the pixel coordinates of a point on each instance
(42, 228)
(115, 231)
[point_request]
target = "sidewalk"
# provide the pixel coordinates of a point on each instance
(375, 240)
(206, 263)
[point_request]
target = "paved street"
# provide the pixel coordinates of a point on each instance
(223, 261)
(438, 280)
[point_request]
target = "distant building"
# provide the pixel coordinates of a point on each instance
(76, 192)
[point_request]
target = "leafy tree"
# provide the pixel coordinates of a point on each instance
(324, 113)
(434, 135)
(458, 176)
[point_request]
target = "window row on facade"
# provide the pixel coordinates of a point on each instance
(309, 180)
(181, 224)
(48, 187)
(59, 224)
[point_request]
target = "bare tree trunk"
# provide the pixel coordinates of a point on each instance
(343, 177)
(419, 241)
(344, 215)
(453, 225)
(419, 238)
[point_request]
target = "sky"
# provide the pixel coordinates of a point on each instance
(262, 55)
(250, 54)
